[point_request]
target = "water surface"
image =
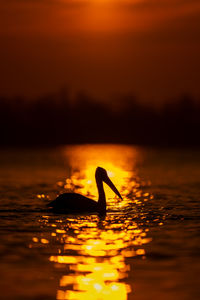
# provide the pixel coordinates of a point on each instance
(146, 246)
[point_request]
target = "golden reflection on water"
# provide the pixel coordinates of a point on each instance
(93, 252)
(119, 161)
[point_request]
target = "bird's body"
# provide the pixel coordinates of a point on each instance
(73, 202)
(76, 203)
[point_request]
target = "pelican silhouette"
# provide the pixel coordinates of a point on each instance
(76, 203)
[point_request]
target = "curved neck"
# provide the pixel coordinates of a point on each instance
(102, 197)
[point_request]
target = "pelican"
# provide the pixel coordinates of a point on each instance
(76, 203)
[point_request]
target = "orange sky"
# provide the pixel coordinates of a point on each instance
(147, 47)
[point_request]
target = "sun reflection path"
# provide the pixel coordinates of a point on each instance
(120, 163)
(94, 252)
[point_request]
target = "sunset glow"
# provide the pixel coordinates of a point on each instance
(103, 47)
(99, 149)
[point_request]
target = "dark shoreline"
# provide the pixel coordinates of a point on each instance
(54, 121)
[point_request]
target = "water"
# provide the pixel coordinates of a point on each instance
(147, 246)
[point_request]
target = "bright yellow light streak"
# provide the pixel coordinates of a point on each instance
(98, 268)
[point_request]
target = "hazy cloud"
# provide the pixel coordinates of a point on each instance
(63, 3)
(148, 47)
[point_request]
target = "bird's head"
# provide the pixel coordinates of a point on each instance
(101, 174)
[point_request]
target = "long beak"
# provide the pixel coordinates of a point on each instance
(111, 185)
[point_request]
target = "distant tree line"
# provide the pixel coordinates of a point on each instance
(55, 120)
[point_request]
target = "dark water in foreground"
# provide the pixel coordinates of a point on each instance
(148, 245)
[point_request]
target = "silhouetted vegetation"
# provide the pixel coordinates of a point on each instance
(54, 120)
